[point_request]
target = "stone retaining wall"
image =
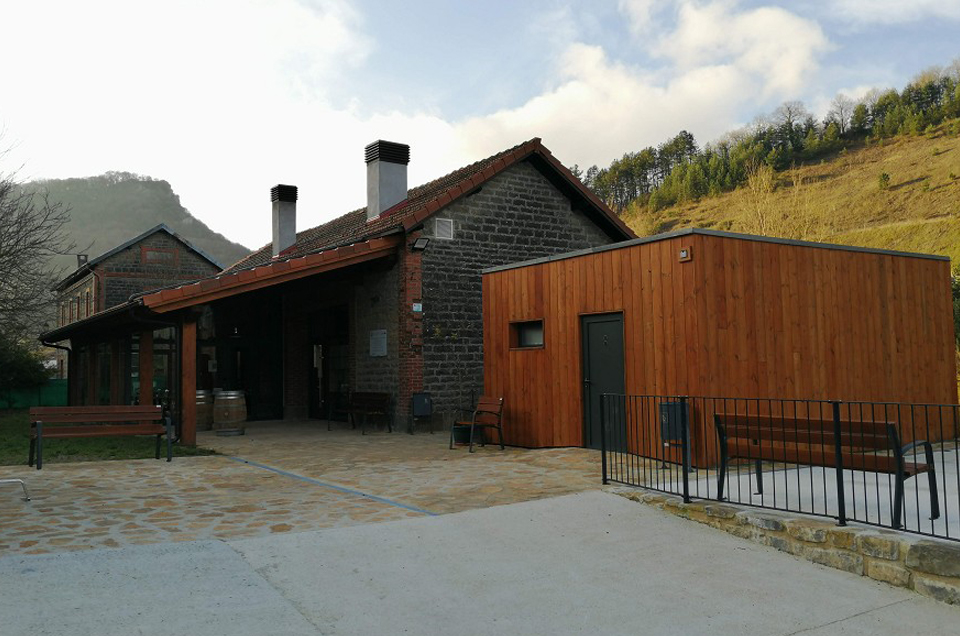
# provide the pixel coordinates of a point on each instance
(928, 566)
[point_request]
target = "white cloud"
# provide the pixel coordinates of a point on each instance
(208, 95)
(602, 108)
(772, 44)
(640, 13)
(225, 99)
(893, 11)
(719, 60)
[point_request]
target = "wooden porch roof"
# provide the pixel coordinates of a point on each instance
(223, 285)
(246, 280)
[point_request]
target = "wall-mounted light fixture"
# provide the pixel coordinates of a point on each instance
(420, 244)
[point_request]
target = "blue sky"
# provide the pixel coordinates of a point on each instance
(225, 98)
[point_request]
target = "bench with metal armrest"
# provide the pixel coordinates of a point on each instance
(867, 446)
(73, 422)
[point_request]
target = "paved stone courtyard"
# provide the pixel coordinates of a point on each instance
(279, 477)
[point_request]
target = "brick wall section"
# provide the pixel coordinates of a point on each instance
(131, 271)
(516, 216)
(410, 337)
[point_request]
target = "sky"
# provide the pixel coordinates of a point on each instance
(226, 98)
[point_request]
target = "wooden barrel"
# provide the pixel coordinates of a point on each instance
(229, 413)
(204, 410)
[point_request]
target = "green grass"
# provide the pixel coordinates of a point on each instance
(15, 444)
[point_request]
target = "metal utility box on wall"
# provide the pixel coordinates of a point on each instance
(714, 313)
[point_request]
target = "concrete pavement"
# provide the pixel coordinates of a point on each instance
(588, 563)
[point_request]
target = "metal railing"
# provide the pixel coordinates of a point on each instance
(895, 465)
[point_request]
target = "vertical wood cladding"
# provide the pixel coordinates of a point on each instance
(516, 216)
(741, 318)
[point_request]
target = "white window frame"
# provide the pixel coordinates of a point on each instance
(436, 229)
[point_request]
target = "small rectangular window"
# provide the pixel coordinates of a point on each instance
(526, 335)
(159, 256)
(443, 228)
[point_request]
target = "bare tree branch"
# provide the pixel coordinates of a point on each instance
(31, 233)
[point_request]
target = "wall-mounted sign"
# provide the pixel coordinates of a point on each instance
(378, 343)
(417, 308)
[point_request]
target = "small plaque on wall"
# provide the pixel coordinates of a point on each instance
(378, 343)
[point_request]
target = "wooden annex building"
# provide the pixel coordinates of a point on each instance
(707, 313)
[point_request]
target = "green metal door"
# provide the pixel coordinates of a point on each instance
(603, 368)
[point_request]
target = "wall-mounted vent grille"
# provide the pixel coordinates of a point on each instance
(443, 228)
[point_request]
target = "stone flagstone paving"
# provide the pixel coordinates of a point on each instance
(300, 477)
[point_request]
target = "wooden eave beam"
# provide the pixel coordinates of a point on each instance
(269, 275)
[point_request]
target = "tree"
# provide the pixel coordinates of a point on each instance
(20, 366)
(860, 119)
(761, 182)
(841, 110)
(788, 129)
(31, 233)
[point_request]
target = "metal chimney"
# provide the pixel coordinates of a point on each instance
(386, 176)
(284, 198)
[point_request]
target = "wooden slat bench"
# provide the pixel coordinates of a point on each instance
(366, 403)
(72, 422)
(867, 446)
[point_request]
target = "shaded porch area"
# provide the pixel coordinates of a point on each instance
(283, 341)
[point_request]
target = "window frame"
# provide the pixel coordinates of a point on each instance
(517, 329)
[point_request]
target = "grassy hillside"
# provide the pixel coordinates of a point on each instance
(110, 209)
(841, 199)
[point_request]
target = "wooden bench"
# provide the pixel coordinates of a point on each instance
(367, 403)
(72, 422)
(867, 446)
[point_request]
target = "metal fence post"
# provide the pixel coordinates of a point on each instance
(838, 449)
(603, 437)
(685, 443)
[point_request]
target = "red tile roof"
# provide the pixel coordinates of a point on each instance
(421, 203)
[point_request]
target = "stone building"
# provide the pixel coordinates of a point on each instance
(386, 298)
(157, 258)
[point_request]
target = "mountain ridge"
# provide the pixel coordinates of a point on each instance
(110, 209)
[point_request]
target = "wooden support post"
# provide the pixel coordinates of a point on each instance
(188, 381)
(146, 367)
(116, 382)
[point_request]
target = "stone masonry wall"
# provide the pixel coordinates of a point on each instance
(375, 307)
(930, 567)
(156, 261)
(517, 215)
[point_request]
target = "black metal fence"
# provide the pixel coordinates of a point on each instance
(895, 465)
